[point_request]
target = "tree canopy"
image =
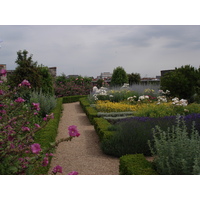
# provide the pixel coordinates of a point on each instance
(183, 82)
(119, 77)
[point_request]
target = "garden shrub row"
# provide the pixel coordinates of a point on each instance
(70, 99)
(135, 164)
(48, 134)
(101, 126)
(90, 111)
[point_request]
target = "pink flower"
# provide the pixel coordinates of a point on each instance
(73, 173)
(37, 125)
(35, 148)
(19, 100)
(73, 132)
(25, 128)
(51, 116)
(1, 92)
(56, 169)
(3, 72)
(25, 83)
(45, 161)
(3, 111)
(36, 106)
(45, 119)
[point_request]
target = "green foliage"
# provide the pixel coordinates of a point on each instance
(26, 69)
(119, 77)
(129, 138)
(176, 151)
(61, 79)
(183, 82)
(100, 83)
(91, 114)
(71, 99)
(38, 76)
(47, 102)
(84, 102)
(101, 126)
(134, 78)
(47, 80)
(135, 165)
(47, 135)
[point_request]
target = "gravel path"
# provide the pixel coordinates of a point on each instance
(83, 153)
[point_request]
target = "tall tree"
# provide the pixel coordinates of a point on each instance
(119, 77)
(134, 78)
(26, 69)
(183, 82)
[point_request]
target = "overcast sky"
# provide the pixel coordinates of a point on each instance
(88, 50)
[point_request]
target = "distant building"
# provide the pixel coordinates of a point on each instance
(72, 76)
(105, 75)
(163, 72)
(147, 80)
(53, 71)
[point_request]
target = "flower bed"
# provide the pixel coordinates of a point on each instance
(131, 134)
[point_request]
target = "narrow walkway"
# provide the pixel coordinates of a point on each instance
(83, 153)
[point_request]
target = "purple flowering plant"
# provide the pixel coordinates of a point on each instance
(19, 153)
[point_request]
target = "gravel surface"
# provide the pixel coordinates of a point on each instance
(83, 153)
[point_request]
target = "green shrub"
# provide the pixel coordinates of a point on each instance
(48, 134)
(183, 82)
(119, 77)
(71, 99)
(130, 137)
(91, 114)
(47, 102)
(101, 126)
(176, 151)
(135, 164)
(84, 102)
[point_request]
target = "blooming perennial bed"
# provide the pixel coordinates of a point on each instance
(19, 154)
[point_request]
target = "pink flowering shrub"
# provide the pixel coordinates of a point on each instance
(19, 153)
(72, 87)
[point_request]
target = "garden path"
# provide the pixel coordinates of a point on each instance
(83, 153)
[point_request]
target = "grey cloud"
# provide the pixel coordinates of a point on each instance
(90, 50)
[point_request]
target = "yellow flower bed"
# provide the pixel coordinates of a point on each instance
(107, 106)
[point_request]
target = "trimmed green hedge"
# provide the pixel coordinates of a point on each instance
(101, 126)
(71, 99)
(91, 114)
(135, 164)
(84, 102)
(48, 134)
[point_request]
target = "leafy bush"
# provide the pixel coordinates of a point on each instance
(119, 77)
(71, 99)
(135, 165)
(132, 134)
(102, 128)
(48, 134)
(91, 114)
(38, 75)
(47, 102)
(183, 82)
(72, 86)
(176, 151)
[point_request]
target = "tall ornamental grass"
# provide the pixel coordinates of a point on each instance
(177, 150)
